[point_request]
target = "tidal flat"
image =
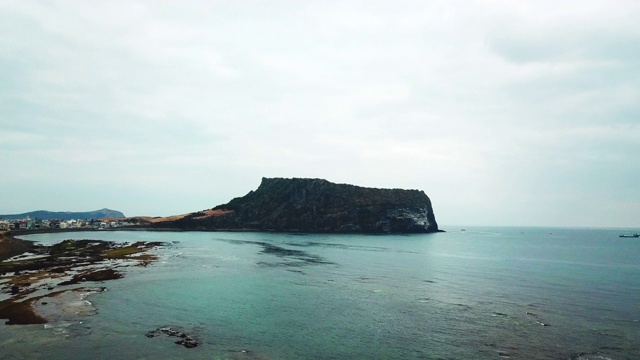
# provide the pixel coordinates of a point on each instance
(33, 276)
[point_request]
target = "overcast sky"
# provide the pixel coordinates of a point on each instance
(503, 112)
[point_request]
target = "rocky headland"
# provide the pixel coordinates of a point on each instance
(315, 205)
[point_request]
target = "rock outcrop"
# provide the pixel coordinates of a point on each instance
(316, 205)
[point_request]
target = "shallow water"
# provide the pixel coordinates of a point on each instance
(483, 293)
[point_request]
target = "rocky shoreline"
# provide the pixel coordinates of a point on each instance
(34, 276)
(11, 246)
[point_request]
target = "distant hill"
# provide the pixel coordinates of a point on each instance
(65, 215)
(316, 205)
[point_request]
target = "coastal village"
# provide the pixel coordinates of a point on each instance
(40, 224)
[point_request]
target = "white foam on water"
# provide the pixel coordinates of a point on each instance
(67, 306)
(26, 256)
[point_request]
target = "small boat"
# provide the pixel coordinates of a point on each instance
(630, 235)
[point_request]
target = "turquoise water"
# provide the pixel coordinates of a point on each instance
(483, 293)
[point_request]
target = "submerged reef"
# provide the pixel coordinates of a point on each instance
(188, 341)
(33, 276)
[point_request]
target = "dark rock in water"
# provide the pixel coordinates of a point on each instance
(316, 205)
(185, 340)
(93, 275)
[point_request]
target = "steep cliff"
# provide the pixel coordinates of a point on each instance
(316, 205)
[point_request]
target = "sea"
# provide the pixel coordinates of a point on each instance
(467, 293)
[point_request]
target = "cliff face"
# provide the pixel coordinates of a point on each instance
(316, 205)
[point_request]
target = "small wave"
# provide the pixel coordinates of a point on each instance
(228, 258)
(59, 328)
(57, 325)
(590, 356)
(463, 306)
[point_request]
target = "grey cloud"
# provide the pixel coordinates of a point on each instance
(480, 103)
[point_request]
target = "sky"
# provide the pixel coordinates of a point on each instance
(516, 113)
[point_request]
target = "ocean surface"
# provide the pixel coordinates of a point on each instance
(473, 293)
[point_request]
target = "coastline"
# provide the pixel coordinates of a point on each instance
(17, 233)
(11, 246)
(60, 274)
